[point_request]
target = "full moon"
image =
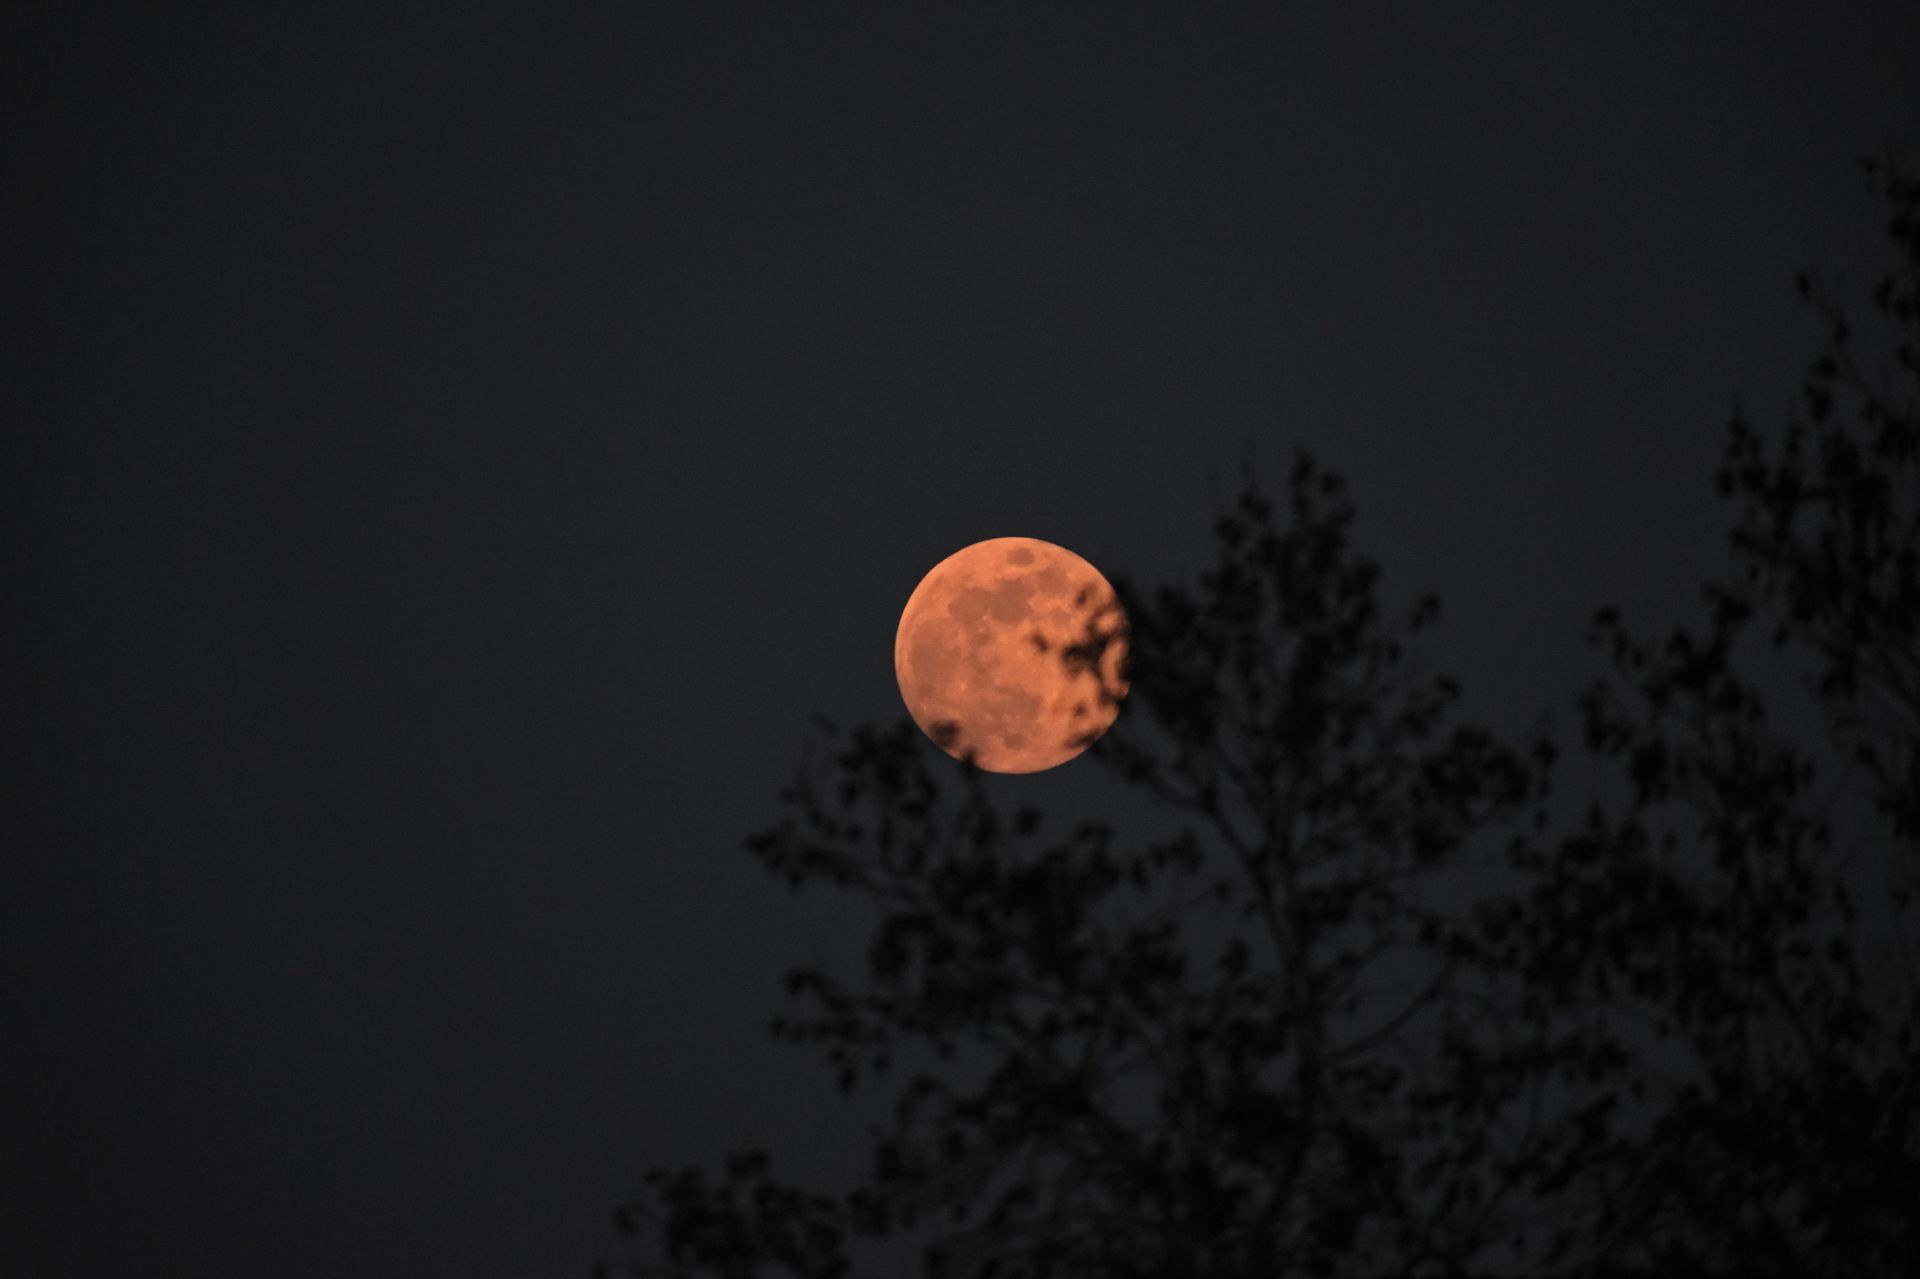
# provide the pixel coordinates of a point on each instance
(1011, 653)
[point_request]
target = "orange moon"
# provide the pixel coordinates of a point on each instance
(1011, 653)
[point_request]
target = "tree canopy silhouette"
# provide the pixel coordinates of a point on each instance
(1381, 995)
(1738, 915)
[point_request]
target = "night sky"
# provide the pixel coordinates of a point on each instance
(463, 449)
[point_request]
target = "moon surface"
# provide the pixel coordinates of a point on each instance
(1011, 653)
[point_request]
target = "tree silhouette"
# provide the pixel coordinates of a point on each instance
(1365, 997)
(1733, 932)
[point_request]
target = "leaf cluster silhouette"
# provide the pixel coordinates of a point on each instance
(1388, 994)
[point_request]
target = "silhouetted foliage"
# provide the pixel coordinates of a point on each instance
(1734, 923)
(1374, 1001)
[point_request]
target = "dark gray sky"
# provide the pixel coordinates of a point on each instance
(464, 449)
